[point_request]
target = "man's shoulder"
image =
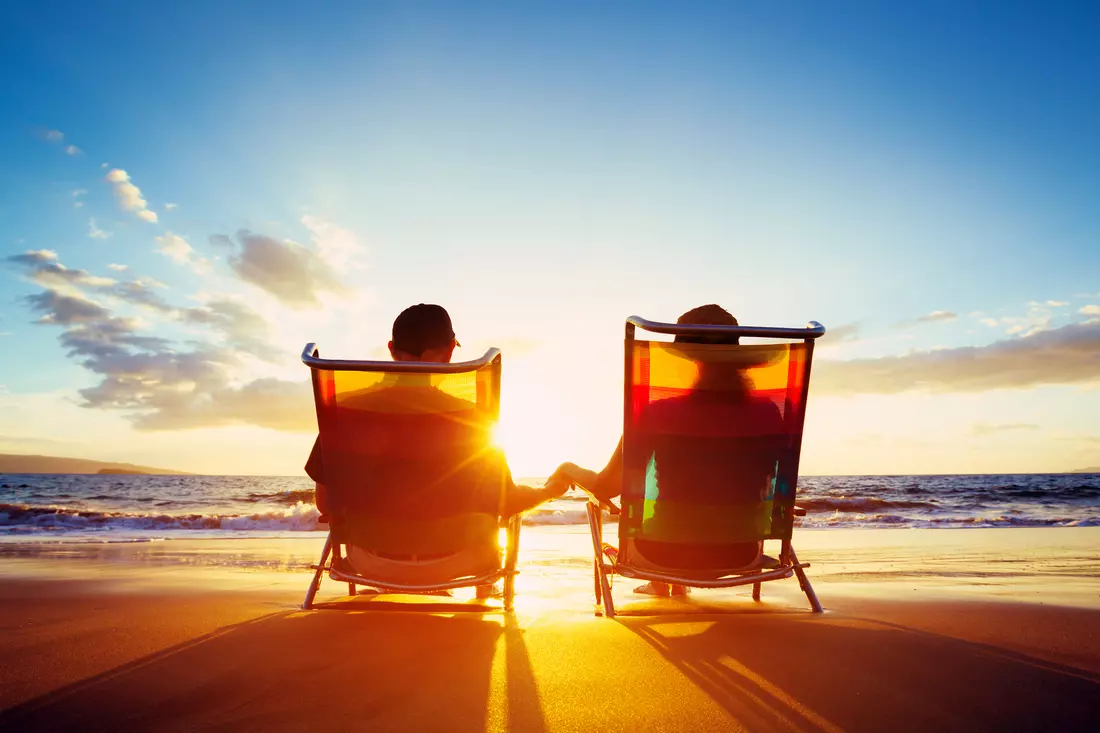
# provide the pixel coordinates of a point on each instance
(405, 398)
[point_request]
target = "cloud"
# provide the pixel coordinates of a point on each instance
(66, 310)
(129, 196)
(53, 136)
(43, 269)
(1091, 311)
(34, 257)
(991, 322)
(171, 207)
(141, 292)
(181, 252)
(221, 240)
(159, 385)
(843, 332)
(1038, 318)
(117, 267)
(982, 429)
(291, 272)
(336, 246)
(1057, 303)
(95, 232)
(936, 316)
(238, 324)
(1066, 355)
(78, 192)
(73, 150)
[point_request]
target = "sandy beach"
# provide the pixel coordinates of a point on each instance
(924, 630)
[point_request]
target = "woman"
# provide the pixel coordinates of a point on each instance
(681, 472)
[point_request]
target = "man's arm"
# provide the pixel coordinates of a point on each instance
(520, 498)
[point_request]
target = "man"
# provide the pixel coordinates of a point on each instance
(424, 333)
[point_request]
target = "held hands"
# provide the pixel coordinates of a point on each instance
(560, 481)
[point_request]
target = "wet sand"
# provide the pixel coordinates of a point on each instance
(925, 630)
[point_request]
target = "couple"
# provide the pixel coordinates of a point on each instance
(424, 333)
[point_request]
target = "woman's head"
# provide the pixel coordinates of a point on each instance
(707, 315)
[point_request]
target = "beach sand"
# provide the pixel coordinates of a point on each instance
(925, 630)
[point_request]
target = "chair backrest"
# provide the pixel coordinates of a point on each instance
(409, 464)
(712, 434)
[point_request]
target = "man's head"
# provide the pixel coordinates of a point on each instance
(423, 333)
(709, 315)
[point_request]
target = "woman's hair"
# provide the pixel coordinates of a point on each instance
(708, 315)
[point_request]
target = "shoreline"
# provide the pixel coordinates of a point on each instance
(1055, 563)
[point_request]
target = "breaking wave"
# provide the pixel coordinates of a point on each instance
(861, 504)
(300, 517)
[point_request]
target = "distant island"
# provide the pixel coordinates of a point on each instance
(1094, 469)
(12, 463)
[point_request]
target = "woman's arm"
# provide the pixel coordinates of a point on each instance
(605, 485)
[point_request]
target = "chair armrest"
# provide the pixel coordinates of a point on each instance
(607, 506)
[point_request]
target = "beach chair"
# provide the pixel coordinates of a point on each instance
(711, 441)
(413, 484)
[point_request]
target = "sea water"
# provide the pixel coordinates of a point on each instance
(121, 507)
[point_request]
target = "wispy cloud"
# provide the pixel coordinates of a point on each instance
(180, 251)
(129, 196)
(1038, 318)
(1070, 354)
(73, 150)
(839, 335)
(42, 268)
(843, 332)
(937, 316)
(171, 207)
(293, 273)
(53, 136)
(156, 382)
(94, 232)
(982, 428)
(1092, 311)
(117, 267)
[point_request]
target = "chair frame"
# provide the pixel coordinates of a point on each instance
(606, 565)
(332, 551)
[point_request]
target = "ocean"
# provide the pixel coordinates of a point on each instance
(131, 507)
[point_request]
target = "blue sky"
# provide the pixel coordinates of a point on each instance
(924, 180)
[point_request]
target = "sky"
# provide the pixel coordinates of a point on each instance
(189, 192)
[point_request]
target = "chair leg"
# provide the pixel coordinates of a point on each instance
(804, 583)
(315, 583)
(603, 588)
(511, 560)
(756, 591)
(351, 589)
(596, 580)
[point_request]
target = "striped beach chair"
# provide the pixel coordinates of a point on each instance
(413, 485)
(711, 440)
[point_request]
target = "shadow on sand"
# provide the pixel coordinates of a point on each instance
(354, 664)
(780, 669)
